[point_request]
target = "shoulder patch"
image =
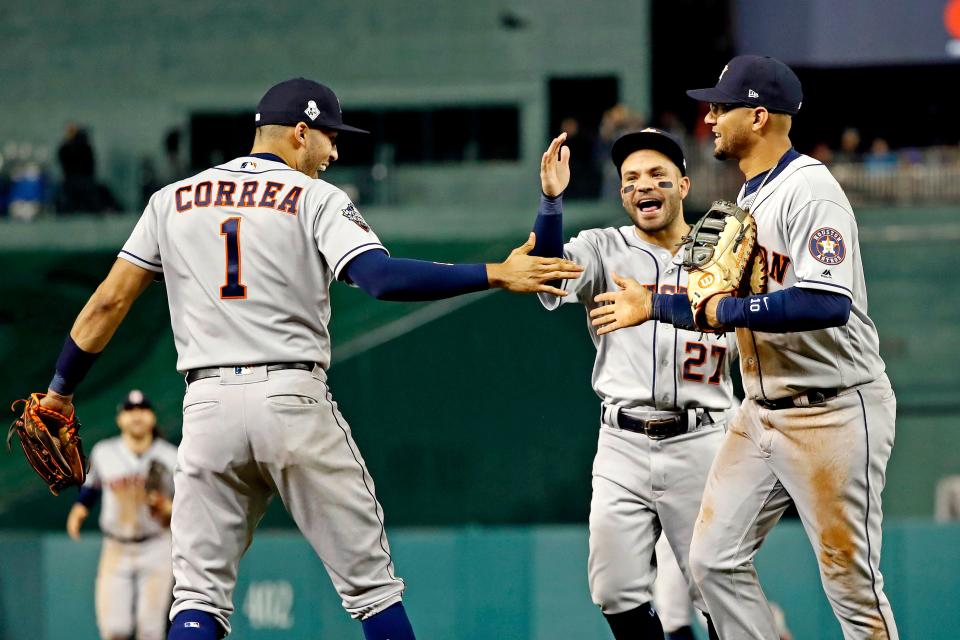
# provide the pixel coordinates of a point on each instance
(350, 213)
(827, 246)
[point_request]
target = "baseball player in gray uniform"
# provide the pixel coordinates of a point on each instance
(134, 578)
(817, 425)
(248, 251)
(664, 391)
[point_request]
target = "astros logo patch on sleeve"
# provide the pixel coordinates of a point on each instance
(826, 245)
(350, 213)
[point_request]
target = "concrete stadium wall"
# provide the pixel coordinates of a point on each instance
(131, 70)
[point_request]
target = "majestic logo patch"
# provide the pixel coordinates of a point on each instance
(826, 274)
(312, 111)
(826, 245)
(350, 213)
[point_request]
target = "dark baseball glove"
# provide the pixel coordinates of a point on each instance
(157, 478)
(51, 442)
(719, 255)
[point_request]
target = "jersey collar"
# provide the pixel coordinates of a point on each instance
(754, 183)
(268, 156)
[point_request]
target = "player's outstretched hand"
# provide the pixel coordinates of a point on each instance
(555, 167)
(630, 306)
(523, 273)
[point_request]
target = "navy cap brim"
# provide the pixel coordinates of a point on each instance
(661, 142)
(713, 94)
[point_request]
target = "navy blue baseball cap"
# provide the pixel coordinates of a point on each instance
(136, 399)
(302, 100)
(649, 138)
(755, 81)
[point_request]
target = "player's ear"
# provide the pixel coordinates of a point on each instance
(760, 118)
(300, 132)
(684, 186)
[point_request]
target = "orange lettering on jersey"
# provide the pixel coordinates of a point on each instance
(247, 193)
(225, 194)
(178, 197)
(291, 201)
(269, 198)
(202, 194)
(669, 289)
(778, 266)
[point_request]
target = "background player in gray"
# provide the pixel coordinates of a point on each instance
(248, 251)
(664, 391)
(134, 578)
(817, 425)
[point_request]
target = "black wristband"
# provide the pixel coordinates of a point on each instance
(72, 367)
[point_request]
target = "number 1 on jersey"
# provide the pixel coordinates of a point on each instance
(233, 289)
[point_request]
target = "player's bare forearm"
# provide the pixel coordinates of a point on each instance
(631, 305)
(108, 305)
(524, 273)
(710, 311)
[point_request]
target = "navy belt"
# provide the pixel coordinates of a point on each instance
(809, 398)
(661, 428)
(214, 372)
(136, 540)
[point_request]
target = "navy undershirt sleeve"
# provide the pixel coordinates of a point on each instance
(401, 279)
(790, 309)
(549, 227)
(673, 309)
(88, 496)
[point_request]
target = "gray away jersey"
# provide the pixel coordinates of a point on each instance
(654, 365)
(248, 251)
(807, 227)
(121, 475)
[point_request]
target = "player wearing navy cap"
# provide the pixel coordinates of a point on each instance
(664, 393)
(132, 595)
(248, 251)
(817, 425)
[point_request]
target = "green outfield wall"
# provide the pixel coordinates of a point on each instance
(474, 410)
(518, 583)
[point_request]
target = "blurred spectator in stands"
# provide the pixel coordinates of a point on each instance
(80, 191)
(27, 182)
(149, 181)
(616, 121)
(880, 159)
(947, 506)
(822, 152)
(585, 174)
(849, 146)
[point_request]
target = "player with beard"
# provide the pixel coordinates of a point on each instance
(664, 391)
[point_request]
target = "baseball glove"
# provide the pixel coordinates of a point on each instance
(156, 480)
(718, 254)
(51, 442)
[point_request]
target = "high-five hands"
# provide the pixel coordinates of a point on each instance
(523, 273)
(555, 167)
(630, 306)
